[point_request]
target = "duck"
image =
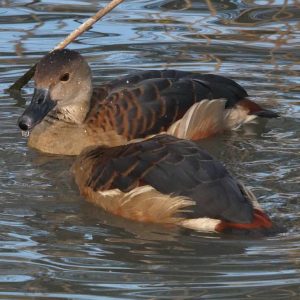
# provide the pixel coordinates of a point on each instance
(167, 180)
(67, 113)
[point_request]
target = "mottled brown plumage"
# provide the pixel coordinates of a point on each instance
(67, 109)
(162, 179)
(150, 101)
(169, 166)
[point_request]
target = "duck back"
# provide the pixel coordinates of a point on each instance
(149, 102)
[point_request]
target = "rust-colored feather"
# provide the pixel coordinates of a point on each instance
(149, 102)
(170, 166)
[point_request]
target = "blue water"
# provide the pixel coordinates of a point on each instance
(54, 245)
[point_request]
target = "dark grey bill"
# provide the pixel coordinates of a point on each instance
(39, 107)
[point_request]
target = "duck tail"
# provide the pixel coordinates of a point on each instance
(253, 108)
(203, 119)
(244, 112)
(259, 221)
(209, 117)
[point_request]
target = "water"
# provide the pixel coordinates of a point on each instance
(53, 245)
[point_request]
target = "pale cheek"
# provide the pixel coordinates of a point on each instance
(57, 93)
(61, 94)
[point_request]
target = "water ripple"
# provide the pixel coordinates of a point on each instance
(53, 245)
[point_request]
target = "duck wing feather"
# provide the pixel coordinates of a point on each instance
(149, 102)
(172, 166)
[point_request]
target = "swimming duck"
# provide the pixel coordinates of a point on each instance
(167, 180)
(67, 113)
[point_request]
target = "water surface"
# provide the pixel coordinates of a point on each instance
(53, 245)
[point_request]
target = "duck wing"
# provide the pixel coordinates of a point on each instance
(149, 102)
(171, 166)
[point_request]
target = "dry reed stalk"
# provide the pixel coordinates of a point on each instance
(70, 38)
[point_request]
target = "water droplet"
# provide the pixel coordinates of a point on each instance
(25, 133)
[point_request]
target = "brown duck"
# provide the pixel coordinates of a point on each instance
(67, 113)
(163, 179)
(167, 180)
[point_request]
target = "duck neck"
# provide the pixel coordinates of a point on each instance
(76, 111)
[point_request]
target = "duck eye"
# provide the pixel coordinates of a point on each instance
(64, 77)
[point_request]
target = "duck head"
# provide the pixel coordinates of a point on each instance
(62, 84)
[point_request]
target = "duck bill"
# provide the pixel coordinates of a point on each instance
(40, 106)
